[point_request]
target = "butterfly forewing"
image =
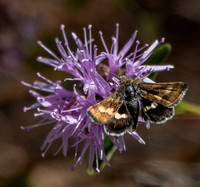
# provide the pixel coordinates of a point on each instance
(167, 94)
(105, 110)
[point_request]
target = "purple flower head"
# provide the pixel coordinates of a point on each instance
(66, 110)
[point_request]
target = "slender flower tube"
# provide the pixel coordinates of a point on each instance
(66, 110)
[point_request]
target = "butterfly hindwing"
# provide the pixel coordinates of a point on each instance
(156, 112)
(166, 94)
(124, 120)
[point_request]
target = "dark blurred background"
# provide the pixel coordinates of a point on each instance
(171, 156)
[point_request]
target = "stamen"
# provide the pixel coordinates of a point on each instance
(85, 39)
(62, 27)
(90, 40)
(136, 50)
(116, 41)
(103, 41)
(95, 51)
(48, 50)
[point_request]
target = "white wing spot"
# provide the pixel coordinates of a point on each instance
(154, 105)
(119, 116)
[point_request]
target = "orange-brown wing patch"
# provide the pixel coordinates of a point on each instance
(103, 111)
(167, 94)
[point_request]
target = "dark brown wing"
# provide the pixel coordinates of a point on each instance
(104, 111)
(155, 112)
(166, 94)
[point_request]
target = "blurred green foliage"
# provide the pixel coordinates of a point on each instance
(16, 181)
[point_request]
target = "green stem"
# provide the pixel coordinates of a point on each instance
(109, 149)
(185, 106)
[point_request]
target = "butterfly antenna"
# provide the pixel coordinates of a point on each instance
(141, 79)
(109, 73)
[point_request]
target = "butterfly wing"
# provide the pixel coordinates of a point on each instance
(158, 100)
(104, 111)
(166, 94)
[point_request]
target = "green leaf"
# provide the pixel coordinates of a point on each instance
(159, 56)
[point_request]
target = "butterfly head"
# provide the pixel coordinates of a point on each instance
(129, 87)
